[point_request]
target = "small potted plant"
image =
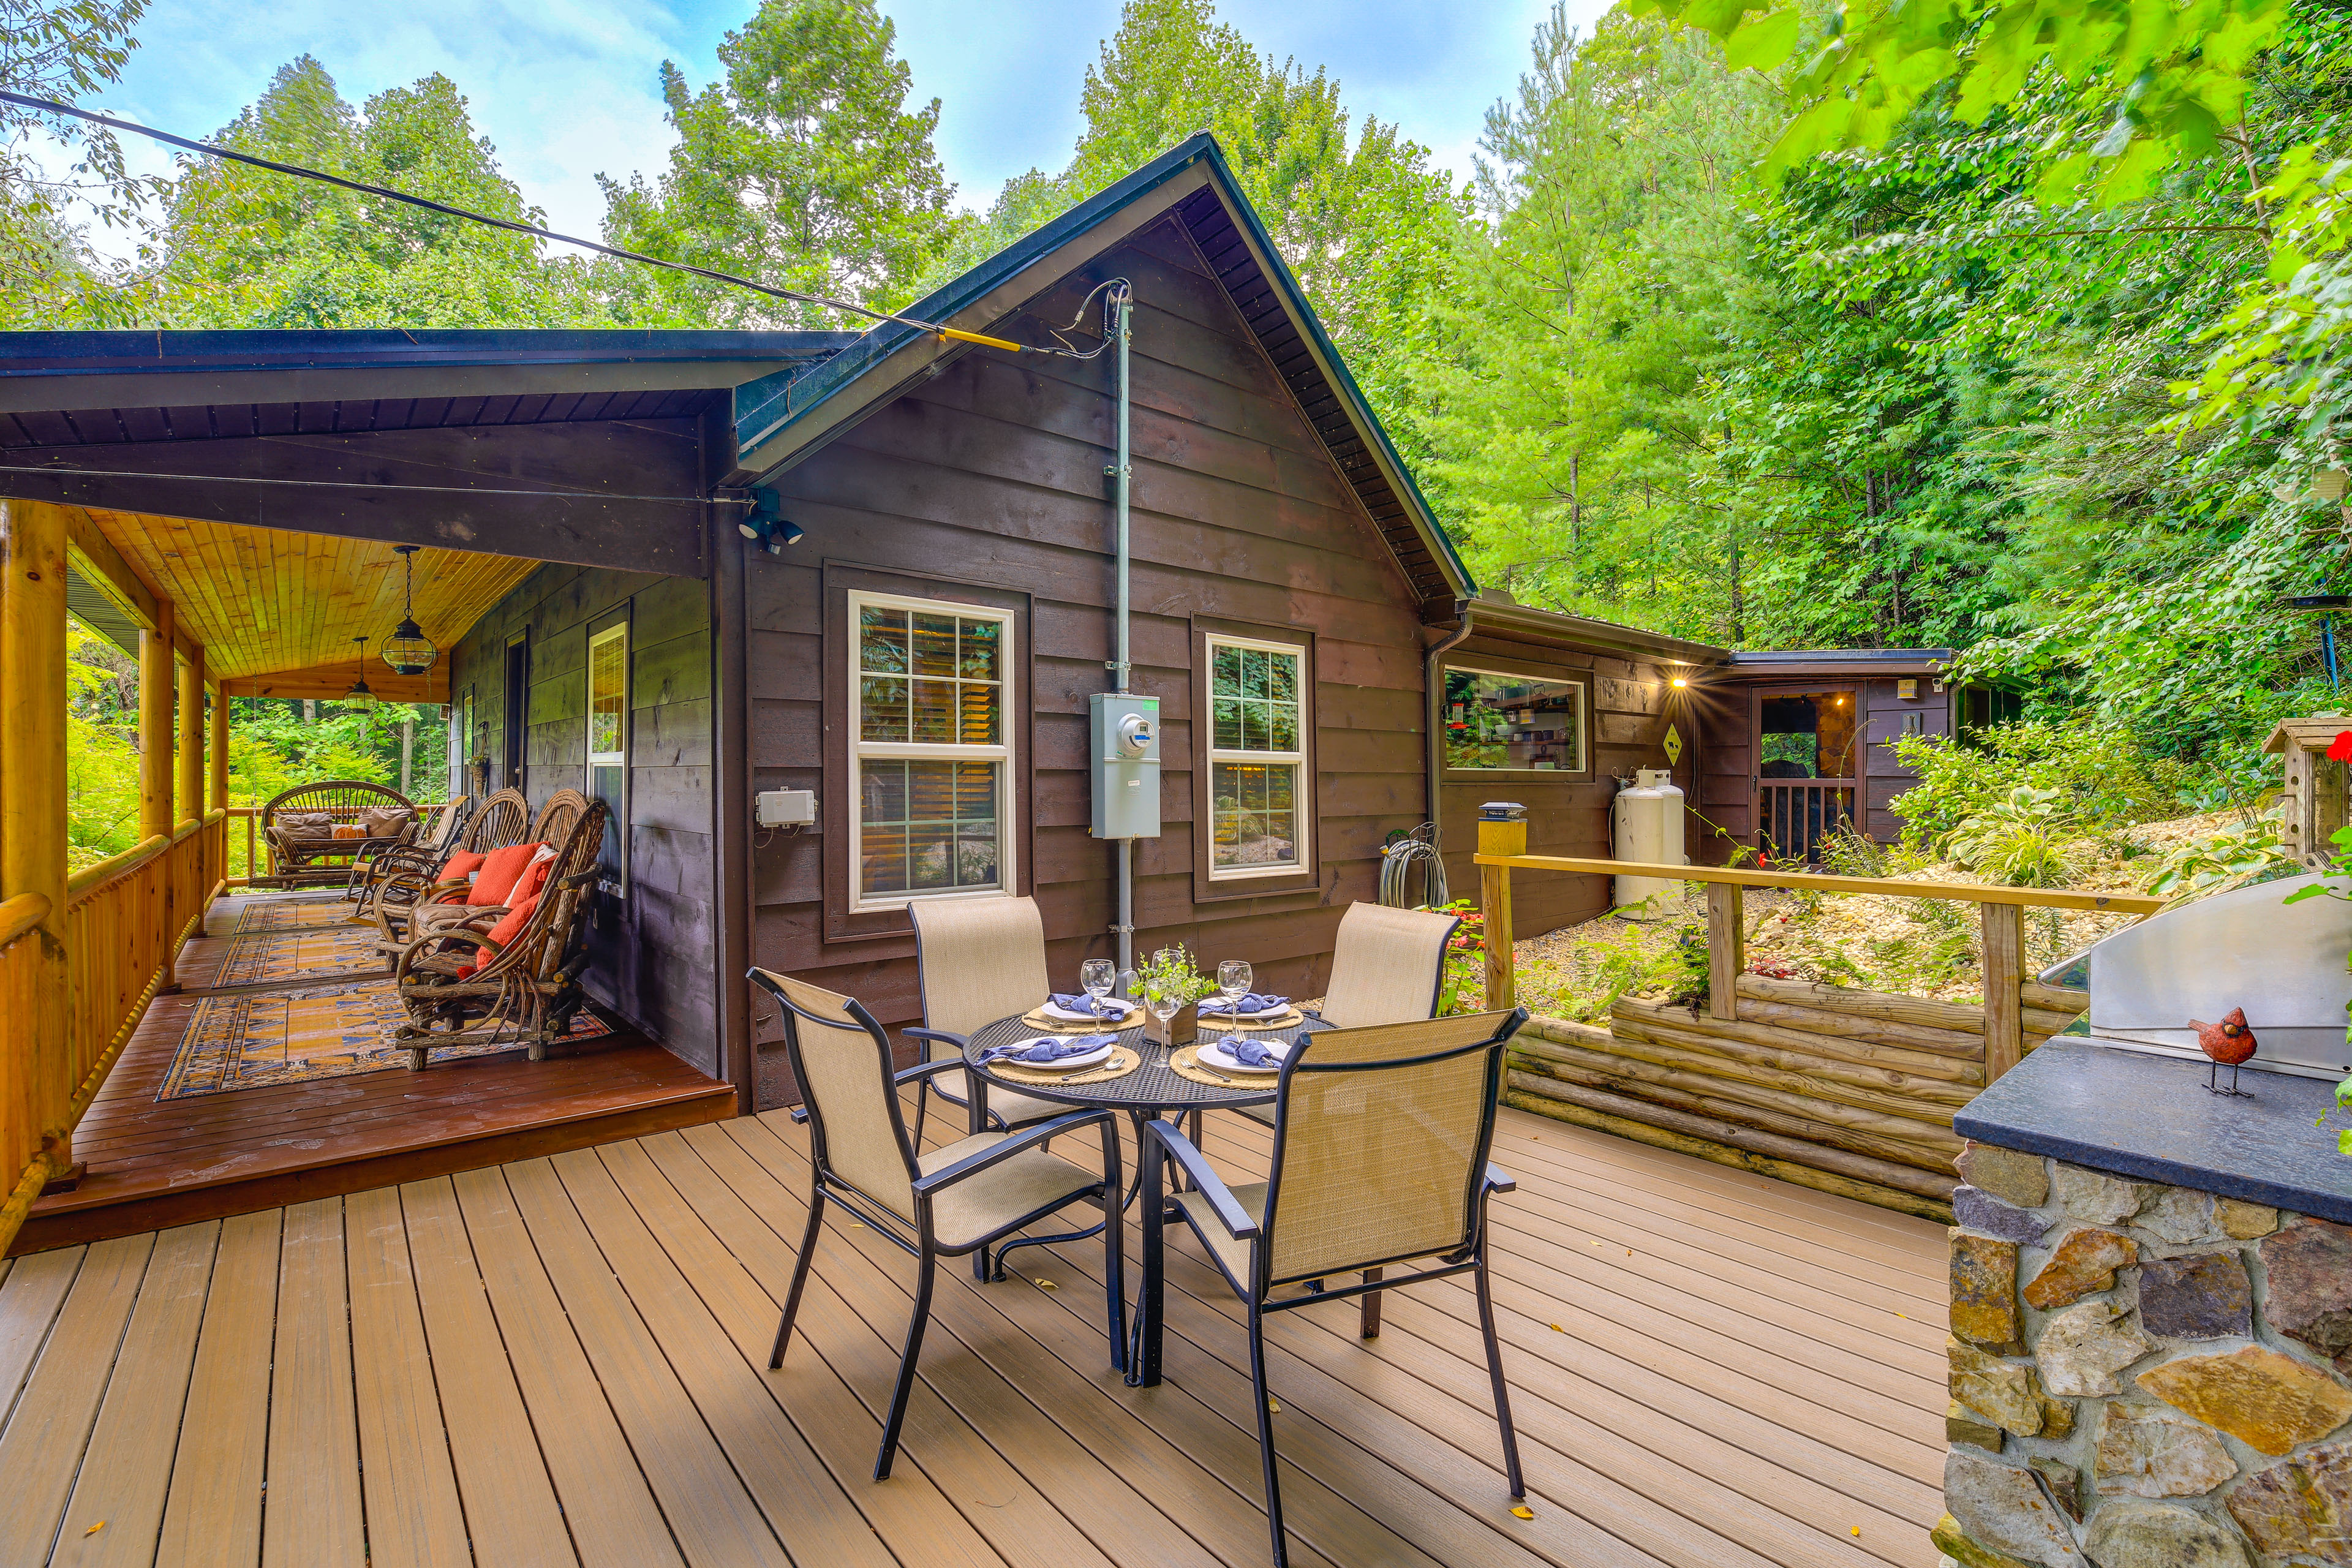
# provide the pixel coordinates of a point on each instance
(1172, 988)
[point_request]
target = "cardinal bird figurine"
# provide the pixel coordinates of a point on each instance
(2229, 1043)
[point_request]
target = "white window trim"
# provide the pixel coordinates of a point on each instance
(1302, 788)
(1583, 718)
(617, 632)
(1007, 874)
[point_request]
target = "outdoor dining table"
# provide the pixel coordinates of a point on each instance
(1154, 1088)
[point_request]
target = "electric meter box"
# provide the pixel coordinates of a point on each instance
(1124, 730)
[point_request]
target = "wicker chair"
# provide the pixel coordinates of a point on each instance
(462, 985)
(426, 852)
(298, 827)
(958, 1199)
(1380, 1139)
(1389, 968)
(977, 959)
(496, 825)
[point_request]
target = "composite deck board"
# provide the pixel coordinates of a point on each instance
(563, 1360)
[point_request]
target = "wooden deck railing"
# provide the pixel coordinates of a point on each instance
(1846, 1090)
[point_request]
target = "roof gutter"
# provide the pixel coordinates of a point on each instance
(1434, 690)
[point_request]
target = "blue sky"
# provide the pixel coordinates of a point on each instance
(566, 89)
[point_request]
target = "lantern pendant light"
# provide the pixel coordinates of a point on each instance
(407, 651)
(359, 696)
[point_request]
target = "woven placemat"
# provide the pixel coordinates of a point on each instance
(1288, 1018)
(1123, 1060)
(1046, 1023)
(1186, 1063)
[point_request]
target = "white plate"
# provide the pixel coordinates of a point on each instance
(1095, 1058)
(1242, 1020)
(1050, 1011)
(1217, 1056)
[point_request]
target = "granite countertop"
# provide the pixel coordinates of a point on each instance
(2149, 1118)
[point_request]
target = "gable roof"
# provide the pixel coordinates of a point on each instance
(784, 418)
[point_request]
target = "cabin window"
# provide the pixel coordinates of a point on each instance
(608, 746)
(1259, 814)
(1495, 720)
(931, 748)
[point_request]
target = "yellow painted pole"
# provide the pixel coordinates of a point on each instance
(35, 1055)
(155, 666)
(1500, 838)
(190, 794)
(217, 753)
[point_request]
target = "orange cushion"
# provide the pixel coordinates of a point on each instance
(350, 830)
(531, 883)
(509, 927)
(464, 863)
(499, 873)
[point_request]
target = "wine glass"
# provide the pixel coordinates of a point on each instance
(1234, 984)
(1163, 1005)
(1096, 977)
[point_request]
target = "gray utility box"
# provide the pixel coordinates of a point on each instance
(1124, 731)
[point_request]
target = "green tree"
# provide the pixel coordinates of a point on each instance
(802, 168)
(248, 248)
(49, 275)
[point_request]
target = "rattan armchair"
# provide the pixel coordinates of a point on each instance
(1380, 1139)
(1388, 967)
(461, 985)
(426, 852)
(977, 959)
(500, 823)
(962, 1198)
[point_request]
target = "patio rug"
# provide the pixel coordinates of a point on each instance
(266, 1038)
(291, 914)
(288, 957)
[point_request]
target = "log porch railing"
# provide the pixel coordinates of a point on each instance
(81, 956)
(1845, 1090)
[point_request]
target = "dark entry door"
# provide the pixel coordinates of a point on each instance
(518, 712)
(1809, 762)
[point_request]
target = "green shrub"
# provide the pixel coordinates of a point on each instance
(2103, 778)
(2015, 839)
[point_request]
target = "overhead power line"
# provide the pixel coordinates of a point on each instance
(207, 149)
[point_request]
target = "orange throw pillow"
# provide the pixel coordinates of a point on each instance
(499, 873)
(509, 927)
(531, 883)
(350, 830)
(464, 863)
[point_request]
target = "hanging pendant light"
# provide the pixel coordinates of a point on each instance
(406, 650)
(359, 696)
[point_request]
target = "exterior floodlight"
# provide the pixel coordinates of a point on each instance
(407, 651)
(765, 524)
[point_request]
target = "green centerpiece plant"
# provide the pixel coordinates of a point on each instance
(1172, 988)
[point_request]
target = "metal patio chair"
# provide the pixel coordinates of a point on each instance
(958, 1199)
(1380, 1139)
(977, 959)
(1388, 967)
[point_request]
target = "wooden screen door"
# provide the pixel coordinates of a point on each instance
(518, 713)
(1808, 760)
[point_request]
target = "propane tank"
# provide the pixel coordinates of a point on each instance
(1646, 825)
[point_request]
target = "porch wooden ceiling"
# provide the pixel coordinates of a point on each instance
(266, 601)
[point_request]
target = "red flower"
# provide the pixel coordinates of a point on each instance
(2341, 751)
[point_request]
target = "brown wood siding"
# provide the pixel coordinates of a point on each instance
(1727, 795)
(1631, 706)
(651, 958)
(991, 476)
(1884, 712)
(1723, 808)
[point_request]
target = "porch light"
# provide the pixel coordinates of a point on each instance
(407, 651)
(359, 696)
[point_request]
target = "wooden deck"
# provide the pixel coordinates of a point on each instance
(563, 1361)
(159, 1163)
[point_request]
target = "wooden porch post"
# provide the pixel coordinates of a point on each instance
(156, 670)
(190, 794)
(2004, 971)
(1726, 939)
(218, 751)
(36, 1058)
(1495, 901)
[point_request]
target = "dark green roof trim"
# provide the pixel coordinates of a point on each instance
(33, 356)
(767, 412)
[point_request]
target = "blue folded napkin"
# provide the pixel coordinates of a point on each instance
(1082, 1003)
(1250, 1053)
(1046, 1050)
(1256, 1002)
